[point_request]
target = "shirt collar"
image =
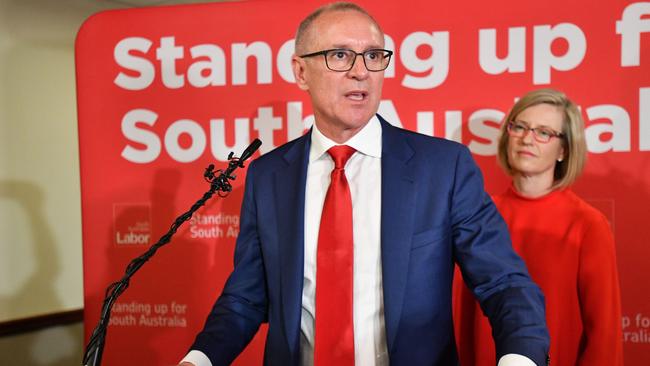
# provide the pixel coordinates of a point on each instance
(367, 141)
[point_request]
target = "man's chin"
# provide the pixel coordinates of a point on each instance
(358, 118)
(356, 124)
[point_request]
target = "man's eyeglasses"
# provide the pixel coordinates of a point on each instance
(342, 59)
(541, 134)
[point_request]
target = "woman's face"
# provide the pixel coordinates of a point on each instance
(526, 155)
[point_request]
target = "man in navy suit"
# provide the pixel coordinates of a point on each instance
(418, 206)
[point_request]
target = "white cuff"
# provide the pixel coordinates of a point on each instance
(512, 359)
(198, 358)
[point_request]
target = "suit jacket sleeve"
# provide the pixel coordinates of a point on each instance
(493, 271)
(243, 304)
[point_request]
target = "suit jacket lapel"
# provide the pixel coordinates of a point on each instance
(290, 184)
(397, 200)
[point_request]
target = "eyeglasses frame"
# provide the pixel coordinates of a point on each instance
(534, 130)
(324, 53)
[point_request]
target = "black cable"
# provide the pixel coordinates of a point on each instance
(219, 183)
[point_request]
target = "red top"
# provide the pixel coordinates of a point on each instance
(569, 250)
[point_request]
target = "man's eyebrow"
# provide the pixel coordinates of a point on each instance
(348, 47)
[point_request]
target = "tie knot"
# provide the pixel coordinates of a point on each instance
(340, 154)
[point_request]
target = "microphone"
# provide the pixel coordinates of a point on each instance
(250, 150)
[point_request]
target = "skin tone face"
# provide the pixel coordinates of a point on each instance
(533, 162)
(343, 102)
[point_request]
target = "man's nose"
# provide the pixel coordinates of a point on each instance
(358, 69)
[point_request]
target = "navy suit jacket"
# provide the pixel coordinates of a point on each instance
(434, 213)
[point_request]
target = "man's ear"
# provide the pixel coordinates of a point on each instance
(299, 69)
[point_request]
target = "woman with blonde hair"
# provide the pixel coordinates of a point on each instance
(567, 244)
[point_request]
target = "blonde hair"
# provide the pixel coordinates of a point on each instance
(573, 138)
(305, 25)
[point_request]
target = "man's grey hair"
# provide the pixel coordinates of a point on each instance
(303, 28)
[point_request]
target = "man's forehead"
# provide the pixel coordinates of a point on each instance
(346, 28)
(337, 18)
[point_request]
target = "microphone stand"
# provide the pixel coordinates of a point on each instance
(219, 183)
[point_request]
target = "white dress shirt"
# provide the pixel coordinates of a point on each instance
(363, 171)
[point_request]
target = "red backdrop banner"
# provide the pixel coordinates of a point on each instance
(165, 91)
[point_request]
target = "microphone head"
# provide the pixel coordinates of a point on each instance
(250, 150)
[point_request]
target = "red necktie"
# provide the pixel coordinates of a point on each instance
(334, 333)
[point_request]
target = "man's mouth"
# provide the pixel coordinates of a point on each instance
(356, 95)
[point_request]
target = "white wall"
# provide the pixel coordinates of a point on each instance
(40, 220)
